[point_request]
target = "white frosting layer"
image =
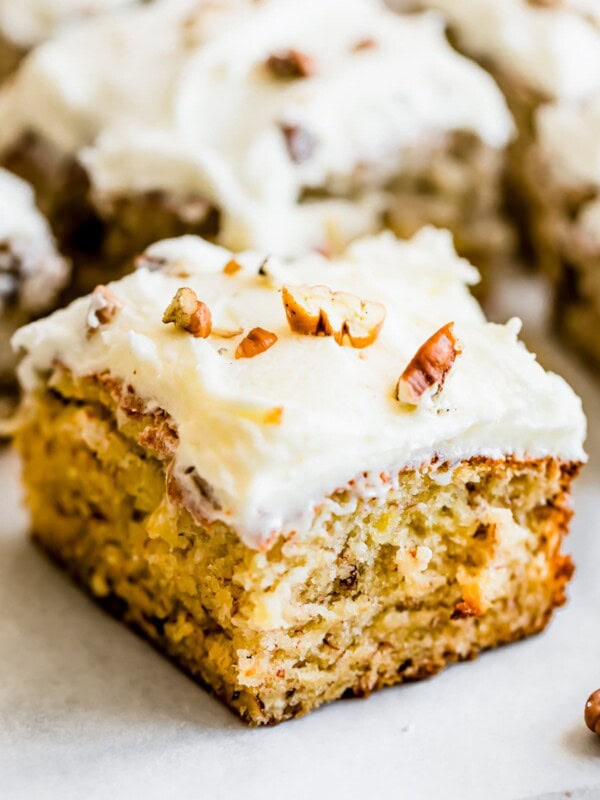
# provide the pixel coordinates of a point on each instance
(569, 138)
(555, 51)
(25, 235)
(339, 414)
(29, 22)
(192, 109)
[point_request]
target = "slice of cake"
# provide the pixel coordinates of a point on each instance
(279, 125)
(25, 24)
(32, 273)
(563, 184)
(301, 480)
(546, 57)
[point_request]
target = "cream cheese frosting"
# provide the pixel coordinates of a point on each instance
(569, 139)
(25, 234)
(337, 415)
(29, 22)
(554, 50)
(193, 109)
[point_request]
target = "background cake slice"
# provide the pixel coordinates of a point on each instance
(278, 125)
(546, 58)
(32, 273)
(297, 490)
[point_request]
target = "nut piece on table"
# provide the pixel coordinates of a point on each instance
(318, 311)
(255, 343)
(104, 306)
(429, 367)
(592, 712)
(290, 65)
(189, 314)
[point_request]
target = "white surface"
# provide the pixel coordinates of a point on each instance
(87, 710)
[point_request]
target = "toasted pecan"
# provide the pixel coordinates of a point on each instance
(256, 342)
(185, 311)
(429, 367)
(318, 311)
(104, 306)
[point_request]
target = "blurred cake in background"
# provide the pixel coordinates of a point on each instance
(278, 125)
(545, 55)
(26, 23)
(32, 273)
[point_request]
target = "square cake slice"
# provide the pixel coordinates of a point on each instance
(546, 58)
(301, 479)
(282, 125)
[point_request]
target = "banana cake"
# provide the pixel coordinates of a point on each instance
(301, 490)
(280, 126)
(545, 55)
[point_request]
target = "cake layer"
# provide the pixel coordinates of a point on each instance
(279, 120)
(381, 588)
(262, 439)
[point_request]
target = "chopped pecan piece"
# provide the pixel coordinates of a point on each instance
(189, 314)
(255, 343)
(300, 142)
(104, 306)
(317, 311)
(226, 333)
(231, 267)
(429, 367)
(290, 65)
(368, 43)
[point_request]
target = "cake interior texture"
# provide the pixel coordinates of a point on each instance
(380, 590)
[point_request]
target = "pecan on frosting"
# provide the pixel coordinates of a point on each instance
(290, 65)
(256, 342)
(318, 311)
(188, 313)
(104, 306)
(231, 267)
(429, 367)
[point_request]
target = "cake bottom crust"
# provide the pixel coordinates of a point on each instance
(382, 590)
